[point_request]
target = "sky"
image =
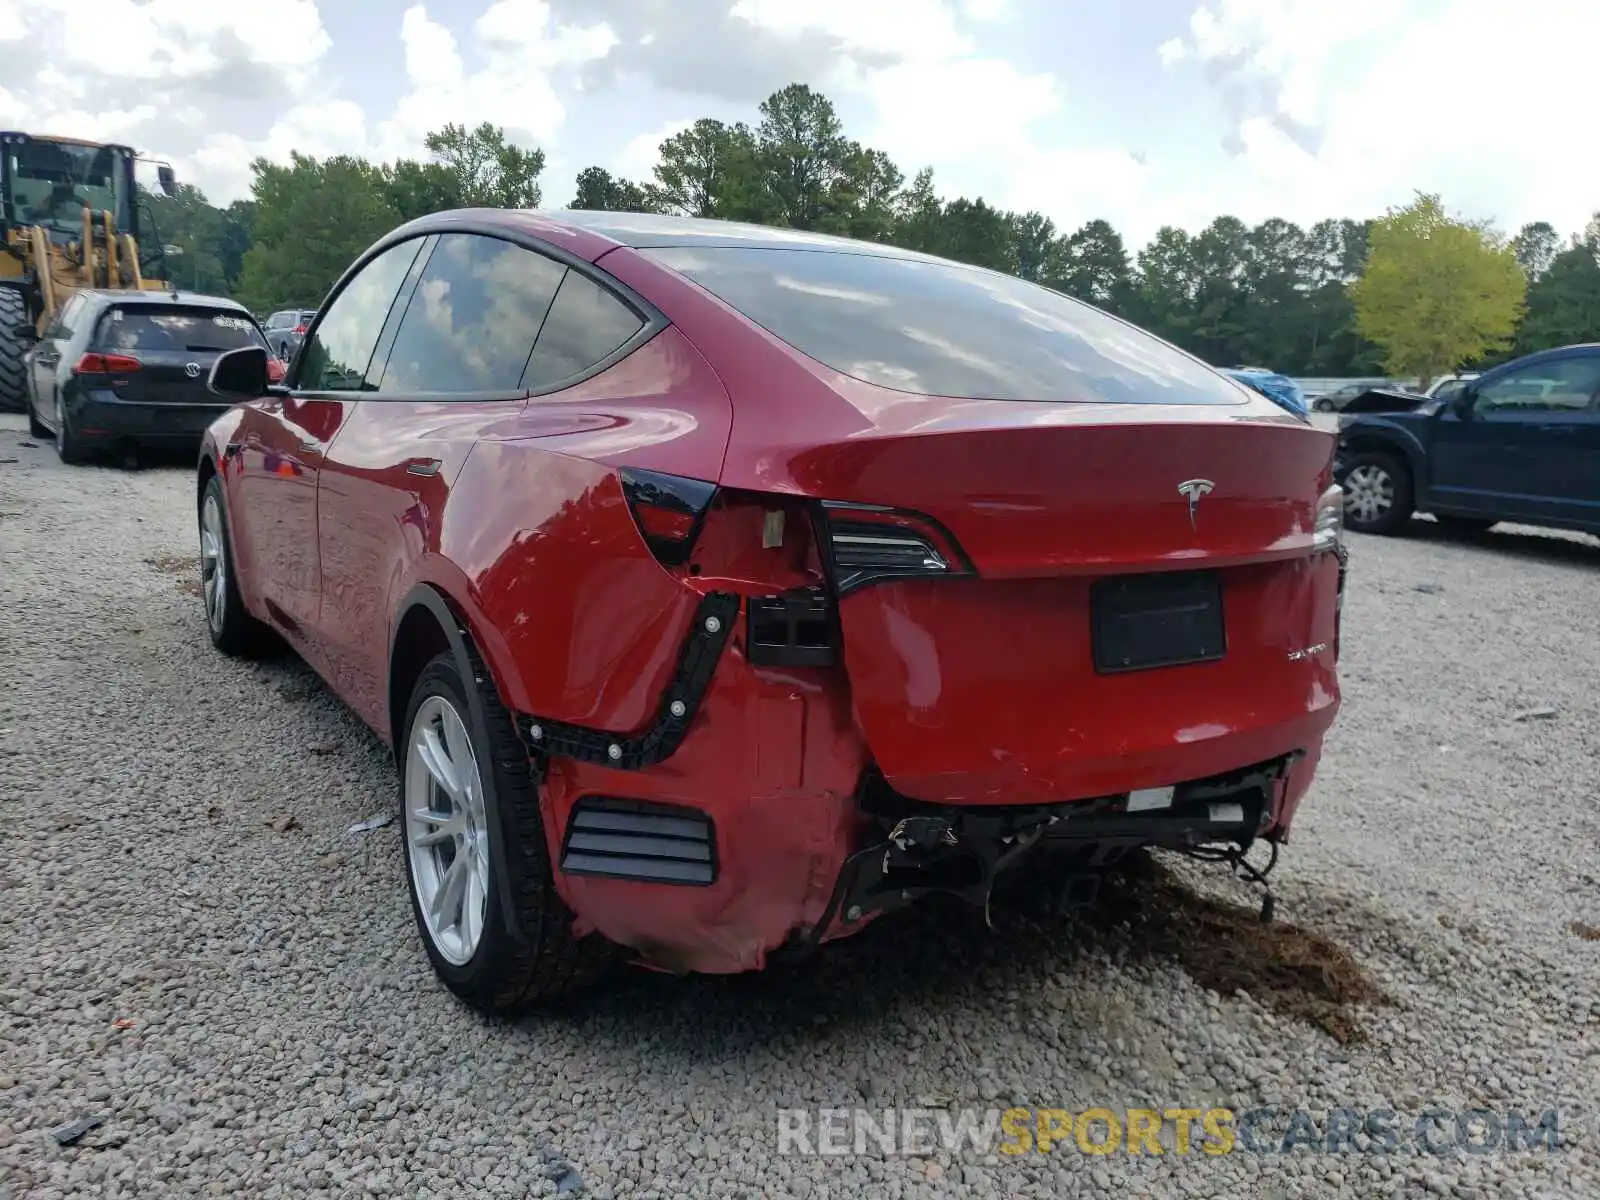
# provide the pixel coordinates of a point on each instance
(1141, 112)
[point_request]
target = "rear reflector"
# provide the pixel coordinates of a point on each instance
(106, 364)
(869, 543)
(668, 510)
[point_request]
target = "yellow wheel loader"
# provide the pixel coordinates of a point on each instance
(69, 220)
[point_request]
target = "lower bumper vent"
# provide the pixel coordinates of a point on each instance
(634, 839)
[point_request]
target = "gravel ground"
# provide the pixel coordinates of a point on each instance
(284, 1035)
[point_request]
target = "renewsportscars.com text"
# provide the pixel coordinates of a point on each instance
(1136, 1131)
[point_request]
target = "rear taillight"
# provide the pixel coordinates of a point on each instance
(106, 364)
(275, 370)
(867, 543)
(300, 329)
(668, 509)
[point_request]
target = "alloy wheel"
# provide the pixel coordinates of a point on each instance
(446, 829)
(1369, 492)
(213, 564)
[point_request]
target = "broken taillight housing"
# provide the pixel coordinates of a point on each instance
(668, 509)
(106, 364)
(869, 543)
(1328, 530)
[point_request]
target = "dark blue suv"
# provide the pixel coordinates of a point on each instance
(1519, 443)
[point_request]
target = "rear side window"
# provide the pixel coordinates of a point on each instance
(473, 317)
(336, 357)
(941, 329)
(586, 324)
(177, 329)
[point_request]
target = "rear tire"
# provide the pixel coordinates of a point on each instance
(1323, 406)
(68, 448)
(233, 630)
(13, 377)
(486, 965)
(1378, 494)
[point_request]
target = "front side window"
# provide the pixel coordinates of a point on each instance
(336, 356)
(1565, 385)
(941, 329)
(176, 329)
(586, 324)
(473, 318)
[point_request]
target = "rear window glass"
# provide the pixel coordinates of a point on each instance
(179, 329)
(941, 329)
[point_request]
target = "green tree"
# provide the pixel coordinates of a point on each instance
(1036, 246)
(806, 160)
(1564, 302)
(598, 189)
(312, 220)
(1092, 264)
(1536, 246)
(490, 171)
(415, 189)
(707, 170)
(1437, 292)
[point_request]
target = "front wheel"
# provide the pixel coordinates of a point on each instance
(233, 630)
(470, 809)
(1377, 492)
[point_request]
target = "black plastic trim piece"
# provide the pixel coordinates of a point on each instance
(640, 840)
(679, 493)
(697, 662)
(792, 629)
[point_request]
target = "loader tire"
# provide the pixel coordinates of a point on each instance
(13, 378)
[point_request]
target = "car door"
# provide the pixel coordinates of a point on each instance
(454, 365)
(46, 360)
(1508, 449)
(281, 441)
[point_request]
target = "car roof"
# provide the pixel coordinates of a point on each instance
(590, 234)
(108, 296)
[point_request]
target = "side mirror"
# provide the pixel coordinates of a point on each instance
(25, 331)
(240, 374)
(167, 177)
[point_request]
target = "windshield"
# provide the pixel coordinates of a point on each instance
(53, 182)
(186, 330)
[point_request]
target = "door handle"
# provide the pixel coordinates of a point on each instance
(422, 466)
(310, 448)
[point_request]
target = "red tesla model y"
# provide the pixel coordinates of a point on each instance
(721, 588)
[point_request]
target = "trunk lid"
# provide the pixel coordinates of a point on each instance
(175, 346)
(1144, 605)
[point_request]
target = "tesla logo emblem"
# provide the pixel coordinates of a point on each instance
(192, 370)
(1192, 490)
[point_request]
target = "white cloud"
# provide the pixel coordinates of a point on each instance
(639, 155)
(1476, 99)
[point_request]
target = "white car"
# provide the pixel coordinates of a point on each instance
(1447, 386)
